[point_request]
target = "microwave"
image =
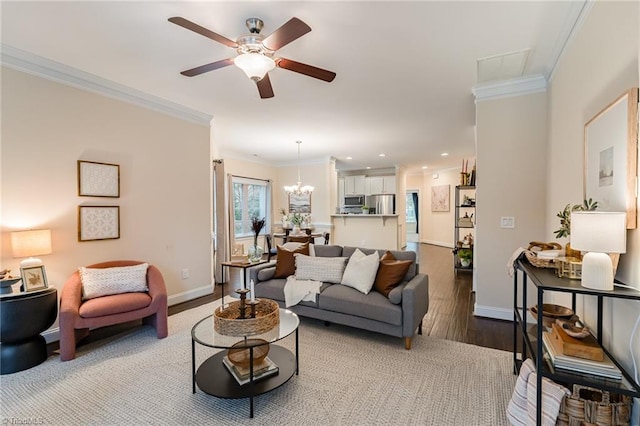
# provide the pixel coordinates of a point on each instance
(353, 200)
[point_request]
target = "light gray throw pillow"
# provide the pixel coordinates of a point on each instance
(324, 269)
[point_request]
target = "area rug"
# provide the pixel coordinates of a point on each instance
(347, 377)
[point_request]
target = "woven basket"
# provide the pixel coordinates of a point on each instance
(228, 322)
(533, 258)
(589, 406)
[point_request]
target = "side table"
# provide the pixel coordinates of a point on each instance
(23, 316)
(241, 265)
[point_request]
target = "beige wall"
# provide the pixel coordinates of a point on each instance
(600, 64)
(511, 143)
(164, 181)
(437, 227)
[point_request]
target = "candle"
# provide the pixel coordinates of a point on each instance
(253, 293)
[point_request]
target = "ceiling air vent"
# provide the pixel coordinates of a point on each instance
(503, 66)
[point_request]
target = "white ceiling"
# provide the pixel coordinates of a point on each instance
(405, 70)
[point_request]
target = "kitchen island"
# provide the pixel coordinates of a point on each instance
(376, 231)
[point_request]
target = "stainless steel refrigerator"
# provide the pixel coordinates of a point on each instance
(382, 203)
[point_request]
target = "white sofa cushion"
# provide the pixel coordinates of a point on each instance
(324, 269)
(97, 282)
(361, 270)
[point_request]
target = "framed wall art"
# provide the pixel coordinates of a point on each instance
(98, 223)
(98, 179)
(440, 198)
(299, 203)
(33, 278)
(610, 157)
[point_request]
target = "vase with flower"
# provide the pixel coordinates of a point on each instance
(255, 251)
(296, 220)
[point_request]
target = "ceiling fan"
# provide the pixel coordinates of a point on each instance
(255, 52)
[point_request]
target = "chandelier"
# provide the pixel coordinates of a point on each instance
(298, 189)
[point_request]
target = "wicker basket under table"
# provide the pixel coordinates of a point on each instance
(589, 406)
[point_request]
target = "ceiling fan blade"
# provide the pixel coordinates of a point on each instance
(264, 87)
(185, 23)
(305, 69)
(288, 32)
(208, 67)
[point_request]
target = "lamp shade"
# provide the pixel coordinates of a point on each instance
(603, 232)
(254, 65)
(31, 243)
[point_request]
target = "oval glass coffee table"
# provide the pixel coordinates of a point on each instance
(213, 377)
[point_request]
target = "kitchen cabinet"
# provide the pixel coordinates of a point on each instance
(341, 192)
(380, 185)
(354, 185)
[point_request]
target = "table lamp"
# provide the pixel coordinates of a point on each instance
(31, 243)
(598, 233)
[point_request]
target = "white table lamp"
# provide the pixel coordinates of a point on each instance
(31, 243)
(598, 233)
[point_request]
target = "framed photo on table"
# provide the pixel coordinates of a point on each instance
(98, 179)
(98, 223)
(610, 157)
(33, 278)
(299, 203)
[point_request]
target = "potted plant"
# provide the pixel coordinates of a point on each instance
(255, 251)
(565, 222)
(296, 220)
(365, 209)
(466, 256)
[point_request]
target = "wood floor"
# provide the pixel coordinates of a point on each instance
(450, 313)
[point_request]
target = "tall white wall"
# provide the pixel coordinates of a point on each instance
(164, 181)
(512, 180)
(600, 63)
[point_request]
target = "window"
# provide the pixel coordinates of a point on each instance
(410, 210)
(251, 197)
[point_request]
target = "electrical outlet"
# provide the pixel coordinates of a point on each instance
(185, 273)
(507, 222)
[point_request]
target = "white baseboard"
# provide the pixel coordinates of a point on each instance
(53, 334)
(493, 312)
(185, 296)
(437, 243)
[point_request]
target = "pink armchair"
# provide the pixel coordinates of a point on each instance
(78, 316)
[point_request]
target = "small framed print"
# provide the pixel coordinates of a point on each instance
(98, 223)
(98, 179)
(299, 203)
(33, 278)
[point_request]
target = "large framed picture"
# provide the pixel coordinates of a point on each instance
(610, 157)
(98, 223)
(299, 203)
(440, 196)
(98, 179)
(33, 278)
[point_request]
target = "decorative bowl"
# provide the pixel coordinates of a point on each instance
(239, 353)
(551, 312)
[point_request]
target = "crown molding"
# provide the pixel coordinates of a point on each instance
(30, 63)
(509, 88)
(577, 16)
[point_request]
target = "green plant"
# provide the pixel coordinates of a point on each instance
(296, 218)
(365, 207)
(565, 216)
(466, 254)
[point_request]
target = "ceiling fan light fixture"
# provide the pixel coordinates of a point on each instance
(254, 65)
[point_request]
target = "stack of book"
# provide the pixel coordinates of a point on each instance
(579, 364)
(266, 368)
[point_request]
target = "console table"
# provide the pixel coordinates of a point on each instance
(23, 316)
(545, 279)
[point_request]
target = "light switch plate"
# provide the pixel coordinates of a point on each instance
(507, 222)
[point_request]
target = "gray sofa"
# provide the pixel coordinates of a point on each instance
(399, 314)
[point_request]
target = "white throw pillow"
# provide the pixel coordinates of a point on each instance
(361, 270)
(292, 246)
(325, 269)
(97, 282)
